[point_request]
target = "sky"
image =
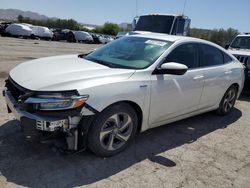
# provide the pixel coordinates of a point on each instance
(206, 14)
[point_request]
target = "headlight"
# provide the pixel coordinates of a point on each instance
(56, 102)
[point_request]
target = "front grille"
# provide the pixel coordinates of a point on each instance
(15, 90)
(20, 94)
(243, 59)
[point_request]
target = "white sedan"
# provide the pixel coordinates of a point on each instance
(101, 100)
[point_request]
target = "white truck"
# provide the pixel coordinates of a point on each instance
(240, 48)
(172, 24)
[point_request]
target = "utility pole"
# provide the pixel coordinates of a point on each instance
(136, 8)
(184, 7)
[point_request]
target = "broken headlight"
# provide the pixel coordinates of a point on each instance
(56, 101)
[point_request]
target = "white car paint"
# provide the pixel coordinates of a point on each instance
(83, 36)
(64, 73)
(42, 32)
(162, 98)
(239, 51)
(18, 30)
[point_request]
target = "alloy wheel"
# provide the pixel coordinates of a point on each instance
(229, 100)
(116, 131)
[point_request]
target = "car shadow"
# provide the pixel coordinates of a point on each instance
(244, 97)
(37, 165)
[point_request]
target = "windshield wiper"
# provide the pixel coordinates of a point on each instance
(84, 54)
(108, 64)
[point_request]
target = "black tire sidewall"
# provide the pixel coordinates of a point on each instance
(94, 132)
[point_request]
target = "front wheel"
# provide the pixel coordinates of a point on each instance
(113, 130)
(228, 101)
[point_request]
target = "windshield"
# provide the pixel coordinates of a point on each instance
(241, 42)
(155, 23)
(129, 52)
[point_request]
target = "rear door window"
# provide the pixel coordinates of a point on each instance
(210, 56)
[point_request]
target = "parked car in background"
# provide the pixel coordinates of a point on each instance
(3, 26)
(41, 32)
(101, 39)
(63, 34)
(29, 25)
(18, 30)
(82, 36)
(104, 39)
(100, 100)
(121, 34)
(96, 38)
(58, 34)
(240, 48)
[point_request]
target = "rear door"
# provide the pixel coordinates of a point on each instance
(216, 75)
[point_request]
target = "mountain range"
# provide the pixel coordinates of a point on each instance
(12, 14)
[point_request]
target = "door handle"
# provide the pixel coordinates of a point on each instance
(228, 72)
(198, 77)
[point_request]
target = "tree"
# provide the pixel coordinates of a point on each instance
(218, 36)
(20, 18)
(110, 29)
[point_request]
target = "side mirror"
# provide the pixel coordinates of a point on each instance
(227, 46)
(171, 68)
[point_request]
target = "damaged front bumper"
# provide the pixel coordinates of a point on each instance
(41, 123)
(34, 126)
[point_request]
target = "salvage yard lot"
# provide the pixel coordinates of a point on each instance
(203, 151)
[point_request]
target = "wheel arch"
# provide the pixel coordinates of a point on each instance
(138, 112)
(237, 87)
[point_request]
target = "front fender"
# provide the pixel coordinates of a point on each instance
(102, 96)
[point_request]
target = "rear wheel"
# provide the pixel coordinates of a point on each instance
(228, 101)
(113, 130)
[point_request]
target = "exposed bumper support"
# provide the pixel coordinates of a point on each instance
(41, 123)
(74, 128)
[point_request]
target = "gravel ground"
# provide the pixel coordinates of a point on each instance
(203, 151)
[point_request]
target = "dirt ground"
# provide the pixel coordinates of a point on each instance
(203, 151)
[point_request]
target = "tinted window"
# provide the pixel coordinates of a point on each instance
(179, 27)
(155, 23)
(227, 58)
(241, 42)
(185, 54)
(210, 56)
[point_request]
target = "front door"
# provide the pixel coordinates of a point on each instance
(176, 95)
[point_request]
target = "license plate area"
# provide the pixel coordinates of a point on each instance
(28, 127)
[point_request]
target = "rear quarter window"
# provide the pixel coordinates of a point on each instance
(227, 58)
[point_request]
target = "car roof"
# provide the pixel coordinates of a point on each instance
(175, 38)
(243, 35)
(159, 14)
(171, 38)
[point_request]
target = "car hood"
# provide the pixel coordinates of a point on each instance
(65, 73)
(244, 52)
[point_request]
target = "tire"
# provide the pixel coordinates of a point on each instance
(113, 130)
(228, 101)
(32, 36)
